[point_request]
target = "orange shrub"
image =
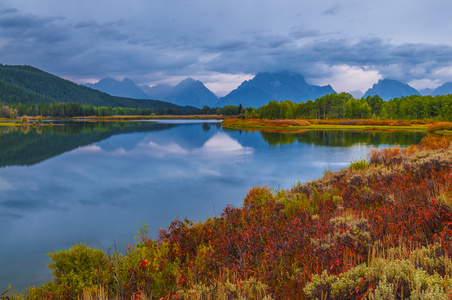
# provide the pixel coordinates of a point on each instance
(365, 122)
(383, 156)
(410, 150)
(437, 126)
(432, 142)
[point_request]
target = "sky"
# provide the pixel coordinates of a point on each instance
(349, 44)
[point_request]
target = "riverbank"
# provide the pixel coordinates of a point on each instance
(17, 122)
(289, 126)
(300, 125)
(156, 117)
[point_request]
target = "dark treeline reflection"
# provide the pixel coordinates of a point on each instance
(343, 138)
(27, 145)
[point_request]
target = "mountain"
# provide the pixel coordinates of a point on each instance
(191, 92)
(389, 89)
(356, 94)
(426, 91)
(125, 88)
(29, 85)
(159, 91)
(265, 87)
(444, 89)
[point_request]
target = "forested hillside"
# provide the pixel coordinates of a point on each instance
(28, 85)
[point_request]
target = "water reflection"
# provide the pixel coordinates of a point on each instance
(41, 143)
(344, 138)
(94, 183)
(221, 142)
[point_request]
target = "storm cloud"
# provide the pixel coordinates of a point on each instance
(223, 42)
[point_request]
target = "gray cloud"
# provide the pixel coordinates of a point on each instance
(24, 204)
(302, 33)
(152, 40)
(107, 31)
(403, 62)
(333, 10)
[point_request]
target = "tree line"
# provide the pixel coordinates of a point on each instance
(68, 110)
(344, 106)
(332, 106)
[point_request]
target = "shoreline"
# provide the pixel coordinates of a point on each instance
(264, 125)
(294, 126)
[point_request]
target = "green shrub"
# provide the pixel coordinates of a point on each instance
(241, 290)
(359, 164)
(74, 270)
(396, 274)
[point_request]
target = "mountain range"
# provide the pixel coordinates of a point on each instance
(26, 84)
(389, 89)
(29, 85)
(260, 90)
(188, 92)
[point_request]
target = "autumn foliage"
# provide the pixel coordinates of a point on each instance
(384, 228)
(438, 126)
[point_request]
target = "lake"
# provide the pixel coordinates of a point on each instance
(95, 182)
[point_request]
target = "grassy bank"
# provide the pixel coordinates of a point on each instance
(17, 122)
(378, 229)
(300, 125)
(156, 117)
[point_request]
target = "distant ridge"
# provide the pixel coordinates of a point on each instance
(125, 88)
(191, 92)
(188, 92)
(444, 89)
(265, 87)
(159, 91)
(389, 89)
(29, 85)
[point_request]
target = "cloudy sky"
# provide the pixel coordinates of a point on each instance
(349, 44)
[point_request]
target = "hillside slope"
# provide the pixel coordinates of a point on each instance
(29, 85)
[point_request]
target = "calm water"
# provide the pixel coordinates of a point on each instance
(95, 182)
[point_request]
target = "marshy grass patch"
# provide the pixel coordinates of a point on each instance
(359, 164)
